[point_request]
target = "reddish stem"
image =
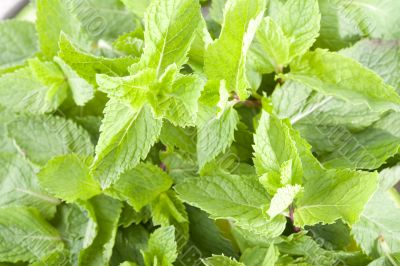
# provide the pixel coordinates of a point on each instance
(291, 217)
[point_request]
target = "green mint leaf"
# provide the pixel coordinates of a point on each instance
(26, 235)
(342, 133)
(102, 19)
(370, 18)
(389, 177)
(275, 150)
(167, 210)
(130, 43)
(217, 10)
(241, 198)
(132, 89)
(375, 229)
(141, 185)
(180, 102)
(42, 137)
(129, 216)
(30, 92)
(270, 49)
(338, 29)
(173, 95)
(326, 232)
(21, 186)
(107, 212)
(182, 138)
(126, 138)
(199, 47)
(6, 143)
(300, 22)
(78, 228)
(18, 42)
(342, 77)
(339, 194)
(55, 258)
(386, 260)
(376, 225)
(215, 133)
(188, 132)
(282, 199)
(305, 107)
(302, 245)
(137, 7)
(311, 166)
(47, 72)
(384, 28)
(260, 256)
(344, 23)
(68, 178)
(51, 76)
(371, 54)
(87, 65)
(364, 150)
(206, 234)
(128, 243)
(82, 91)
(226, 57)
(221, 261)
(276, 44)
(168, 42)
(55, 17)
(180, 166)
(161, 248)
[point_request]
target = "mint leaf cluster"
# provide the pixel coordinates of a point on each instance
(187, 132)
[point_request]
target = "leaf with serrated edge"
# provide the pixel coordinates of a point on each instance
(241, 198)
(270, 48)
(383, 57)
(282, 199)
(67, 177)
(27, 91)
(107, 212)
(168, 42)
(25, 235)
(126, 138)
(378, 222)
(87, 66)
(300, 22)
(343, 77)
(43, 137)
(19, 39)
(221, 260)
(225, 59)
(20, 186)
(141, 185)
(55, 17)
(82, 91)
(274, 146)
(214, 134)
(161, 248)
(339, 194)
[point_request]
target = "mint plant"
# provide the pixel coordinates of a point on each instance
(186, 132)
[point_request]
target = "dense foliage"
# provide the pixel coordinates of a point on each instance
(187, 132)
